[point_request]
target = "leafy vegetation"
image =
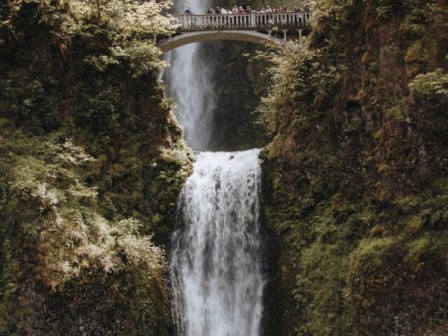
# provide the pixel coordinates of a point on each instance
(63, 240)
(92, 162)
(431, 84)
(354, 177)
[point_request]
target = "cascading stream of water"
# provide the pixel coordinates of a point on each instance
(216, 260)
(190, 81)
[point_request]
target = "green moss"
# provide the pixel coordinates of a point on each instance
(355, 194)
(417, 248)
(371, 252)
(320, 285)
(52, 219)
(92, 163)
(416, 53)
(413, 226)
(395, 112)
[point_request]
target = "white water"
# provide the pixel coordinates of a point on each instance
(216, 258)
(216, 263)
(190, 81)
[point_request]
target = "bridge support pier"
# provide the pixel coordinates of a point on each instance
(284, 35)
(300, 35)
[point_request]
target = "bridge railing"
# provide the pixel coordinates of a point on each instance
(251, 20)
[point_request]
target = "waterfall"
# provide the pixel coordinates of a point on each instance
(216, 262)
(190, 80)
(216, 254)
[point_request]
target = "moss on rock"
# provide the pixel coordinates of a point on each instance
(92, 163)
(354, 167)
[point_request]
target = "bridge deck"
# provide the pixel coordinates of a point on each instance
(246, 21)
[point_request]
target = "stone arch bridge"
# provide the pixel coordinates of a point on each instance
(250, 27)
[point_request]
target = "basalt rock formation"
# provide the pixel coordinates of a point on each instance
(355, 177)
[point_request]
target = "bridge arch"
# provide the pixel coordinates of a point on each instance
(232, 35)
(249, 27)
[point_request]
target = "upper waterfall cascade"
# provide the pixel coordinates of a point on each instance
(190, 81)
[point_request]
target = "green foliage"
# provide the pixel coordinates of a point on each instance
(296, 75)
(348, 133)
(76, 232)
(417, 10)
(388, 9)
(128, 25)
(431, 84)
(370, 252)
(321, 283)
(69, 243)
(50, 201)
(417, 249)
(329, 11)
(317, 239)
(395, 112)
(416, 53)
(434, 212)
(26, 100)
(385, 11)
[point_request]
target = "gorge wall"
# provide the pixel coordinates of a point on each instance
(91, 165)
(356, 175)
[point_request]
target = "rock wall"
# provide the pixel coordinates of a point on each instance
(355, 197)
(91, 165)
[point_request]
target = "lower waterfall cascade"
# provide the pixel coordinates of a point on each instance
(216, 259)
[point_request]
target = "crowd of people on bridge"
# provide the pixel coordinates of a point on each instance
(244, 9)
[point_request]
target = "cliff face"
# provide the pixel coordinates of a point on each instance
(240, 81)
(355, 178)
(91, 166)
